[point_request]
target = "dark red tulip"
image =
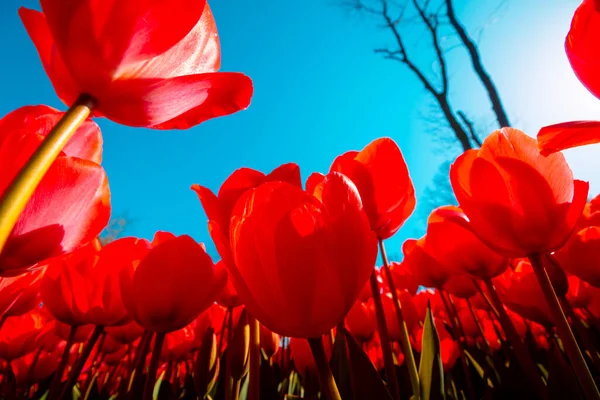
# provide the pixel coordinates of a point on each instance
(303, 357)
(269, 341)
(152, 64)
(82, 333)
(19, 295)
(460, 285)
(127, 333)
(458, 249)
(517, 201)
(70, 206)
(33, 368)
(520, 291)
(581, 255)
(178, 344)
(296, 252)
(381, 177)
(361, 320)
(18, 335)
(172, 285)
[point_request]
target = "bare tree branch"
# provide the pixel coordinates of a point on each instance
(486, 80)
(470, 128)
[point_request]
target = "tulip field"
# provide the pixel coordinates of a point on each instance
(499, 299)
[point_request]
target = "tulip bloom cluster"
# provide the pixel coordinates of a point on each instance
(500, 297)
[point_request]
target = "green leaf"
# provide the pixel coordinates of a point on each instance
(562, 383)
(340, 366)
(366, 382)
(431, 370)
(478, 368)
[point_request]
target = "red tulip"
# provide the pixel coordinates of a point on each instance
(152, 64)
(83, 287)
(269, 341)
(303, 357)
(172, 285)
(580, 293)
(448, 347)
(458, 249)
(301, 259)
(70, 206)
(228, 297)
(19, 295)
(18, 335)
(408, 310)
(460, 285)
(33, 367)
(520, 291)
(361, 320)
(381, 177)
(218, 208)
(517, 201)
(127, 333)
(580, 256)
(582, 45)
(402, 277)
(423, 265)
(178, 344)
(82, 334)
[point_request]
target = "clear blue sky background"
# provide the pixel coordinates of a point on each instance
(320, 91)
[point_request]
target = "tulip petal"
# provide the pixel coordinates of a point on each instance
(37, 28)
(86, 143)
(209, 202)
(70, 206)
(566, 135)
(199, 52)
(289, 173)
(120, 32)
(176, 103)
(313, 181)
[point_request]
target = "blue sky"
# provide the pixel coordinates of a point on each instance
(320, 91)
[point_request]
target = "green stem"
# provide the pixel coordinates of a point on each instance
(458, 337)
(523, 357)
(584, 377)
(18, 193)
(325, 376)
(151, 377)
(409, 356)
(60, 370)
(74, 374)
(384, 336)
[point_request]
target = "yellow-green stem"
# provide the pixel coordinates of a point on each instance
(21, 189)
(564, 330)
(409, 356)
(254, 383)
